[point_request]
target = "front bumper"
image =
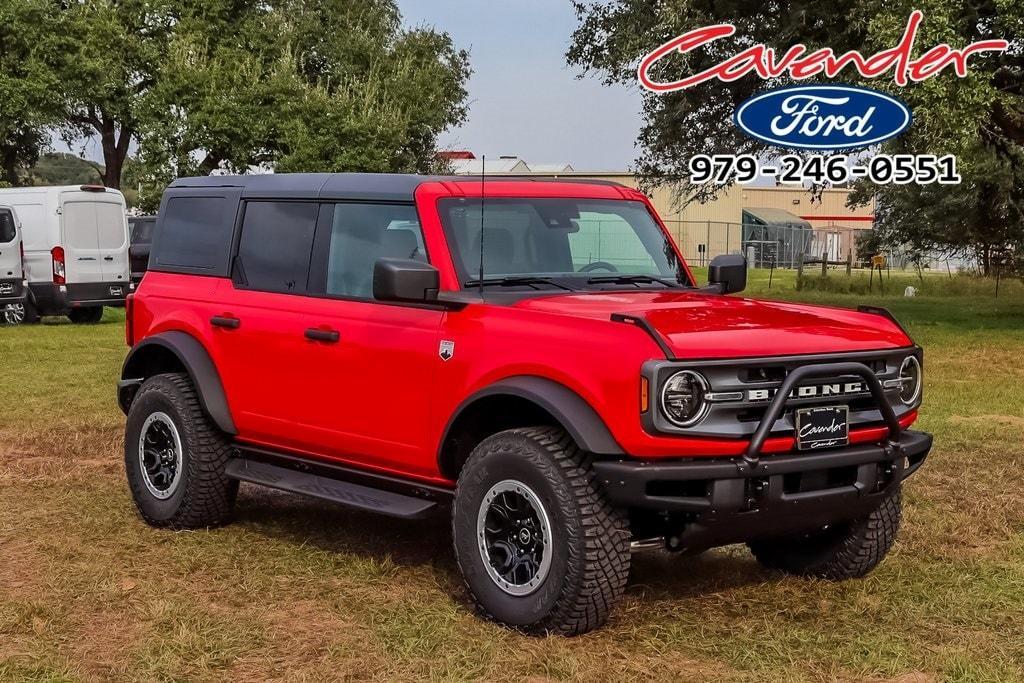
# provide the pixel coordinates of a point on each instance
(729, 500)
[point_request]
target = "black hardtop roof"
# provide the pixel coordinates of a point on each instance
(365, 186)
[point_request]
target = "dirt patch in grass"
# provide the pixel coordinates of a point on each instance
(1003, 420)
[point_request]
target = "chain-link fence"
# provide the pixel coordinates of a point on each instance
(778, 245)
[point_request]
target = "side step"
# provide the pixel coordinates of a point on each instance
(346, 493)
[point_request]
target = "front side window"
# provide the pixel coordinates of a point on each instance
(275, 246)
(361, 234)
(575, 243)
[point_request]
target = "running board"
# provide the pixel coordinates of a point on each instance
(354, 495)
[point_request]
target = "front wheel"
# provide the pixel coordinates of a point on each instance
(837, 552)
(539, 547)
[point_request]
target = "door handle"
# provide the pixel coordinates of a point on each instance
(226, 322)
(329, 336)
(108, 258)
(86, 258)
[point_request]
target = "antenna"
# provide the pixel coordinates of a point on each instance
(483, 185)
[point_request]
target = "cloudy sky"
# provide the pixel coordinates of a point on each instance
(524, 100)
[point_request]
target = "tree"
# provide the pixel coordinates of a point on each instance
(980, 118)
(205, 84)
(980, 218)
(27, 89)
(333, 86)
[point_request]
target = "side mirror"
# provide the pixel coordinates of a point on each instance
(396, 279)
(728, 273)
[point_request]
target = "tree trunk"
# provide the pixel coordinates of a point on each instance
(115, 150)
(10, 170)
(211, 162)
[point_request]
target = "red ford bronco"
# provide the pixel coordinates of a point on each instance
(535, 356)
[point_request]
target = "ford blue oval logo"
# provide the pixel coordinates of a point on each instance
(822, 117)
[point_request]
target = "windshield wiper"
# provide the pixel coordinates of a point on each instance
(632, 280)
(527, 280)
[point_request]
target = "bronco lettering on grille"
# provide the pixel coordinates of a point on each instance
(811, 391)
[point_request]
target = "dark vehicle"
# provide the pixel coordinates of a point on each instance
(141, 229)
(534, 357)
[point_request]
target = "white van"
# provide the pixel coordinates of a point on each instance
(12, 271)
(76, 249)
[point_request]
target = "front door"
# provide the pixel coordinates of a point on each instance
(373, 386)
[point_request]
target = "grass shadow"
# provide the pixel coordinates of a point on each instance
(427, 542)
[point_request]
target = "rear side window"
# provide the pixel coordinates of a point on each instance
(195, 235)
(7, 232)
(110, 225)
(80, 226)
(275, 246)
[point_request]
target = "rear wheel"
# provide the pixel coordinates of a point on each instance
(31, 313)
(86, 315)
(540, 548)
(840, 551)
(175, 457)
(14, 314)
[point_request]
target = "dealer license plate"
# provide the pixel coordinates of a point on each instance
(826, 427)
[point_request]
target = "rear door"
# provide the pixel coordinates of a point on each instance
(257, 332)
(94, 234)
(10, 246)
(112, 236)
(80, 239)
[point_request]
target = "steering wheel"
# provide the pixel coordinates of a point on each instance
(598, 265)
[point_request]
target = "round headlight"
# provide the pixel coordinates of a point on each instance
(910, 380)
(683, 398)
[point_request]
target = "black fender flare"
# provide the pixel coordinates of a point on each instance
(193, 356)
(577, 416)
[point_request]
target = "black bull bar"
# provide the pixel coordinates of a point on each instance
(774, 494)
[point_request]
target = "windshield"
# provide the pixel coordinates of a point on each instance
(567, 243)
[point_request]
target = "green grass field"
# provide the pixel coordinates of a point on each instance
(299, 590)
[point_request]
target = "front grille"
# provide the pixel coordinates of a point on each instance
(746, 387)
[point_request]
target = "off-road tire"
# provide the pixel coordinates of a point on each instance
(839, 552)
(590, 552)
(205, 496)
(86, 316)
